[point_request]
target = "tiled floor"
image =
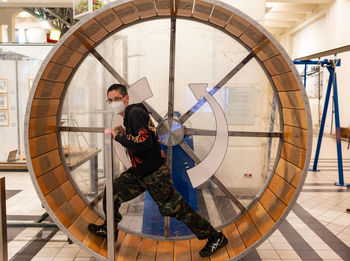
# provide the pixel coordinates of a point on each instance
(318, 228)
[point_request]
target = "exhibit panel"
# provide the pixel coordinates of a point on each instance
(247, 81)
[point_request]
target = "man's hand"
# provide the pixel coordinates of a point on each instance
(119, 130)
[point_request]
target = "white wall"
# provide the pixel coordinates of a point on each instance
(331, 31)
(19, 75)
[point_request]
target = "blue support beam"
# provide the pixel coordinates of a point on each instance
(330, 65)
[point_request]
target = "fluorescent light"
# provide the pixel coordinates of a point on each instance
(55, 34)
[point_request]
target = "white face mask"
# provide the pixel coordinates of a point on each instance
(118, 106)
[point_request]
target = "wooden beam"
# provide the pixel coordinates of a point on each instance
(284, 16)
(293, 8)
(278, 23)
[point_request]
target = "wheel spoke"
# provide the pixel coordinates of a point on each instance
(235, 70)
(228, 193)
(120, 79)
(202, 132)
(172, 67)
(196, 159)
(81, 129)
(169, 162)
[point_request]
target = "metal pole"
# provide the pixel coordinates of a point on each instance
(323, 121)
(3, 227)
(337, 132)
(19, 151)
(109, 191)
(305, 70)
(171, 105)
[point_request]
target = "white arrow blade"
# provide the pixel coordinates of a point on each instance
(138, 92)
(208, 166)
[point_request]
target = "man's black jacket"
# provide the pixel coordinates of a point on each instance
(141, 140)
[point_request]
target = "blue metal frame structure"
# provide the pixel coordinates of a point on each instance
(331, 67)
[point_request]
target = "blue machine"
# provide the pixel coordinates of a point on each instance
(330, 65)
(153, 221)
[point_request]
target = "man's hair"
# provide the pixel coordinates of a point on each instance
(118, 87)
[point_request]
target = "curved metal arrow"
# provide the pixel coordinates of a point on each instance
(208, 166)
(138, 92)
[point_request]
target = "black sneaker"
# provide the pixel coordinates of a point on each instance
(101, 231)
(213, 245)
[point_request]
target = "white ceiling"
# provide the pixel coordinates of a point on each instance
(288, 15)
(281, 15)
(36, 3)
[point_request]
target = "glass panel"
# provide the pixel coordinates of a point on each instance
(203, 55)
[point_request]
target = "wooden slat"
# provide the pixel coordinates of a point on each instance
(44, 108)
(261, 218)
(93, 241)
(282, 189)
(182, 250)
(70, 210)
(252, 37)
(277, 65)
(109, 20)
(196, 246)
(60, 195)
(266, 50)
(103, 249)
(129, 249)
(165, 251)
(235, 244)
(184, 8)
(202, 10)
(285, 82)
(164, 7)
(272, 204)
(46, 162)
(145, 8)
(237, 25)
(93, 30)
(247, 229)
(289, 172)
(117, 245)
(56, 72)
(220, 16)
(293, 154)
(42, 144)
(52, 179)
(292, 100)
(79, 228)
(126, 12)
(295, 136)
(78, 42)
(295, 117)
(66, 56)
(147, 250)
(42, 126)
(49, 89)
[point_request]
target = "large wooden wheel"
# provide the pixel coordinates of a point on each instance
(51, 175)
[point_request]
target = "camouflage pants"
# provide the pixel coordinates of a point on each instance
(170, 202)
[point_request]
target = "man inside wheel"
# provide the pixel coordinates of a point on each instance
(149, 172)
